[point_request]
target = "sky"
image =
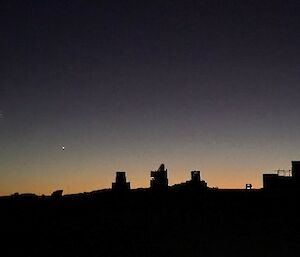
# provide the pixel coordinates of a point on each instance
(209, 85)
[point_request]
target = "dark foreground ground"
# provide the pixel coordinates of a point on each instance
(140, 223)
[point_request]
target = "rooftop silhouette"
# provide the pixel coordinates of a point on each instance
(283, 180)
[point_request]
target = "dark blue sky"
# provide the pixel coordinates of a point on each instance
(210, 85)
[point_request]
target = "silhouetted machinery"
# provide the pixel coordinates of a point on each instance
(121, 184)
(278, 181)
(248, 186)
(159, 179)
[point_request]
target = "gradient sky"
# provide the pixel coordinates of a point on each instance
(210, 85)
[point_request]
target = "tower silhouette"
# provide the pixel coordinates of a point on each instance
(121, 184)
(159, 179)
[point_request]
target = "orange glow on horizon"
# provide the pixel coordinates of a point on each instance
(90, 182)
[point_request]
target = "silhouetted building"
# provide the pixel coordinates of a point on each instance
(278, 181)
(121, 184)
(296, 172)
(195, 176)
(195, 183)
(159, 179)
(57, 193)
(196, 179)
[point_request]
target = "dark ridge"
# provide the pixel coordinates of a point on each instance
(188, 219)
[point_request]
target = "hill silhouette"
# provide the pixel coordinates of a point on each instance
(188, 219)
